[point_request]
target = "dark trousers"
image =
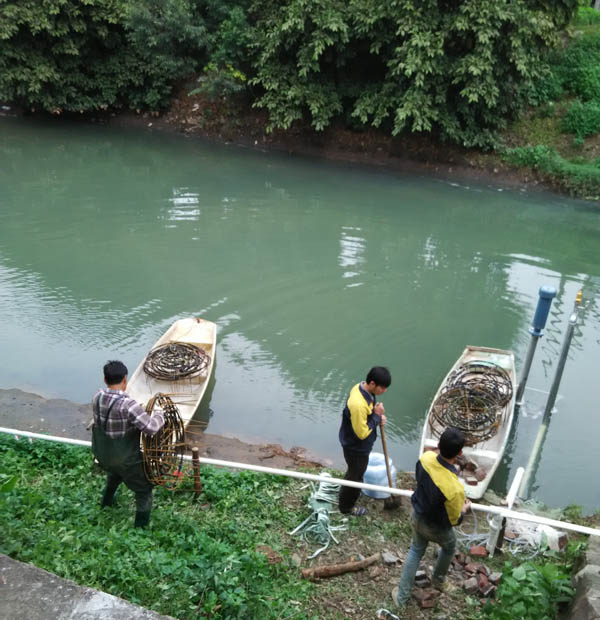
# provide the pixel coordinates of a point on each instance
(136, 481)
(357, 466)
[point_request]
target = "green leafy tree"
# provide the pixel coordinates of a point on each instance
(54, 54)
(82, 55)
(455, 68)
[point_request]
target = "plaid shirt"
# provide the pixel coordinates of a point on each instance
(125, 414)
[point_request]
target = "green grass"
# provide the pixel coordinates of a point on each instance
(195, 561)
(560, 135)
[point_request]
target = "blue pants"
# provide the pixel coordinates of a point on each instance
(423, 533)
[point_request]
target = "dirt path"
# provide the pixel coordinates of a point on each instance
(63, 418)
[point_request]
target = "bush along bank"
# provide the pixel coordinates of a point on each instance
(456, 75)
(230, 554)
(560, 135)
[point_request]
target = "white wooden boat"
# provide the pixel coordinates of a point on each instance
(185, 392)
(481, 459)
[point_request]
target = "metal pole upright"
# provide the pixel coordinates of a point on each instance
(541, 436)
(563, 358)
(546, 295)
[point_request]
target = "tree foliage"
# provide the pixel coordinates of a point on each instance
(82, 55)
(460, 68)
(455, 68)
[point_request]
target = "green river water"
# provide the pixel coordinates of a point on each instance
(313, 271)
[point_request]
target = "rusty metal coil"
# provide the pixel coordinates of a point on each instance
(473, 411)
(176, 360)
(162, 453)
(484, 376)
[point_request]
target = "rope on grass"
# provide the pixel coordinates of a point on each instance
(317, 528)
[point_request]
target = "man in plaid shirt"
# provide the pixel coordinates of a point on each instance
(118, 422)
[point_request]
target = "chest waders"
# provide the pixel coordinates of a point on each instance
(121, 458)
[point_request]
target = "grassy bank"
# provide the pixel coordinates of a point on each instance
(559, 137)
(230, 554)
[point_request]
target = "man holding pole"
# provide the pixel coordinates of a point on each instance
(358, 432)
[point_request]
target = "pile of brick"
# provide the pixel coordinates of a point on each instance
(475, 578)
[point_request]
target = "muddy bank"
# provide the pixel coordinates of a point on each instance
(63, 418)
(242, 127)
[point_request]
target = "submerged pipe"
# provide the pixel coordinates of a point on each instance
(546, 295)
(541, 436)
(290, 473)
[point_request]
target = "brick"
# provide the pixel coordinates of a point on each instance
(424, 594)
(488, 591)
(480, 474)
(495, 578)
(472, 568)
(482, 582)
(478, 551)
(460, 557)
(470, 585)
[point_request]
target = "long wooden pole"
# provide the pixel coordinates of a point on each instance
(196, 468)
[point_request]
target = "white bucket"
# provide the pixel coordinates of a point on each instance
(377, 474)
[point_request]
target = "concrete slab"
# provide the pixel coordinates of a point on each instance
(30, 593)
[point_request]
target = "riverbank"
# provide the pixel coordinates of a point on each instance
(25, 411)
(244, 127)
(231, 554)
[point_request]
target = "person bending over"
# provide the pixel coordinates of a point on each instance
(118, 422)
(438, 505)
(358, 432)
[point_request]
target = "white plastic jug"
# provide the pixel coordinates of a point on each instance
(377, 474)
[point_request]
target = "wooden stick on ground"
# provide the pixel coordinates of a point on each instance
(196, 468)
(329, 570)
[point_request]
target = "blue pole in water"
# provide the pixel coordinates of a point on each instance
(541, 436)
(546, 295)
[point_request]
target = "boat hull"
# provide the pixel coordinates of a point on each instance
(485, 455)
(186, 393)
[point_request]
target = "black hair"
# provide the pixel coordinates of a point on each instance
(380, 375)
(114, 372)
(451, 442)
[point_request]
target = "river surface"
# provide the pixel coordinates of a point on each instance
(313, 271)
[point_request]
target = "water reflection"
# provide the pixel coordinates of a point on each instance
(312, 272)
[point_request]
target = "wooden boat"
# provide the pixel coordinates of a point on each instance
(196, 337)
(479, 395)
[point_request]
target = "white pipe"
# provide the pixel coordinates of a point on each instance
(509, 514)
(514, 487)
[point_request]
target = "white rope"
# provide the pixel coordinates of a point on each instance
(290, 473)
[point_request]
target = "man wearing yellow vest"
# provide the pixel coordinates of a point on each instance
(438, 505)
(358, 432)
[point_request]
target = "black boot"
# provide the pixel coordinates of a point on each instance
(108, 499)
(142, 519)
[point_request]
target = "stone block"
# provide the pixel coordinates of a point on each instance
(495, 578)
(470, 585)
(478, 551)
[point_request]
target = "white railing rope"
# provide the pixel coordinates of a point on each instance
(290, 473)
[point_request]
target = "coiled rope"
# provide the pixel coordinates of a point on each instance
(317, 528)
(176, 360)
(162, 453)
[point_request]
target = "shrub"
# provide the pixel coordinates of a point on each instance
(530, 591)
(582, 119)
(580, 178)
(587, 16)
